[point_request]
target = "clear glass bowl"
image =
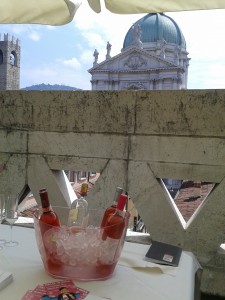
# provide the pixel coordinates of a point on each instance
(78, 253)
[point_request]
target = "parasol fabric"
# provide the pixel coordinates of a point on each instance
(59, 12)
(49, 12)
(152, 6)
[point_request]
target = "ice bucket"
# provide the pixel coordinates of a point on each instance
(78, 253)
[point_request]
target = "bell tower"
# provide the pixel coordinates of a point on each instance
(9, 63)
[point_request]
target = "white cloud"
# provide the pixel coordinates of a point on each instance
(87, 57)
(207, 75)
(93, 39)
(19, 29)
(97, 29)
(73, 63)
(35, 36)
(203, 31)
(49, 27)
(218, 81)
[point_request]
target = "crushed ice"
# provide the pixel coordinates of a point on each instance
(80, 247)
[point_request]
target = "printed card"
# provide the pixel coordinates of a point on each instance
(59, 290)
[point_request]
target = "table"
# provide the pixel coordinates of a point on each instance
(127, 282)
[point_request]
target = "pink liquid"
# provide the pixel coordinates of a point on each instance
(57, 265)
(81, 273)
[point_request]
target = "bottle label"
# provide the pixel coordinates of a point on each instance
(77, 218)
(73, 214)
(85, 221)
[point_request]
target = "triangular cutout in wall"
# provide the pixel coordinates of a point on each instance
(188, 195)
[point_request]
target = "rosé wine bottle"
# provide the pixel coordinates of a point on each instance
(115, 222)
(111, 209)
(48, 216)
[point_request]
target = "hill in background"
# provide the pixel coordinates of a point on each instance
(50, 87)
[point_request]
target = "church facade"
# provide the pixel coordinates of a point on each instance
(153, 57)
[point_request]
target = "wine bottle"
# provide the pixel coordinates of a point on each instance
(78, 215)
(48, 216)
(48, 221)
(111, 209)
(115, 222)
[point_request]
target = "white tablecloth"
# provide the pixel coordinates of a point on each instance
(132, 279)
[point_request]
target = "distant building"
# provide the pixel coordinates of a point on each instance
(9, 63)
(153, 57)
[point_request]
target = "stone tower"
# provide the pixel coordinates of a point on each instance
(9, 63)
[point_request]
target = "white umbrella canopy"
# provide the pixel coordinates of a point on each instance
(152, 6)
(49, 12)
(59, 12)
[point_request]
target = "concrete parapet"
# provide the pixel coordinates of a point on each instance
(133, 138)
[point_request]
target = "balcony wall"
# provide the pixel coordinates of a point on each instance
(133, 139)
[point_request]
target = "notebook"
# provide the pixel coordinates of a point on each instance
(163, 253)
(5, 278)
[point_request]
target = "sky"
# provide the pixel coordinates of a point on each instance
(63, 54)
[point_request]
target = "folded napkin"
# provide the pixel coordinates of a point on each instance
(133, 256)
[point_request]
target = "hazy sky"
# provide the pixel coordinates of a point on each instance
(63, 54)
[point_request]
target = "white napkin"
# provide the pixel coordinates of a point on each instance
(133, 256)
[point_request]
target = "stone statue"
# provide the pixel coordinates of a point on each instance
(108, 48)
(136, 28)
(177, 51)
(163, 48)
(95, 54)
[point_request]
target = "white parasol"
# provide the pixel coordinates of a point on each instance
(152, 6)
(59, 12)
(50, 12)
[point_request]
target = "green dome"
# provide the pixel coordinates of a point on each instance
(156, 27)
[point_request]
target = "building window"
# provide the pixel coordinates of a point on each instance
(1, 57)
(13, 58)
(81, 175)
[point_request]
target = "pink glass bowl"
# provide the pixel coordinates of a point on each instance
(76, 253)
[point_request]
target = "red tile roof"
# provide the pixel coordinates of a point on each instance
(185, 199)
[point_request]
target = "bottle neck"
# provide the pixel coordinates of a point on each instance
(84, 189)
(118, 192)
(46, 209)
(83, 194)
(44, 200)
(121, 202)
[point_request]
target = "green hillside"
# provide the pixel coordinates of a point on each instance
(50, 87)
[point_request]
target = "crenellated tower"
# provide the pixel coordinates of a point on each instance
(9, 63)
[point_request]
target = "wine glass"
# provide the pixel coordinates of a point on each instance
(11, 215)
(2, 214)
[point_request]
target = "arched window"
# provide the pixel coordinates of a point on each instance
(13, 58)
(1, 57)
